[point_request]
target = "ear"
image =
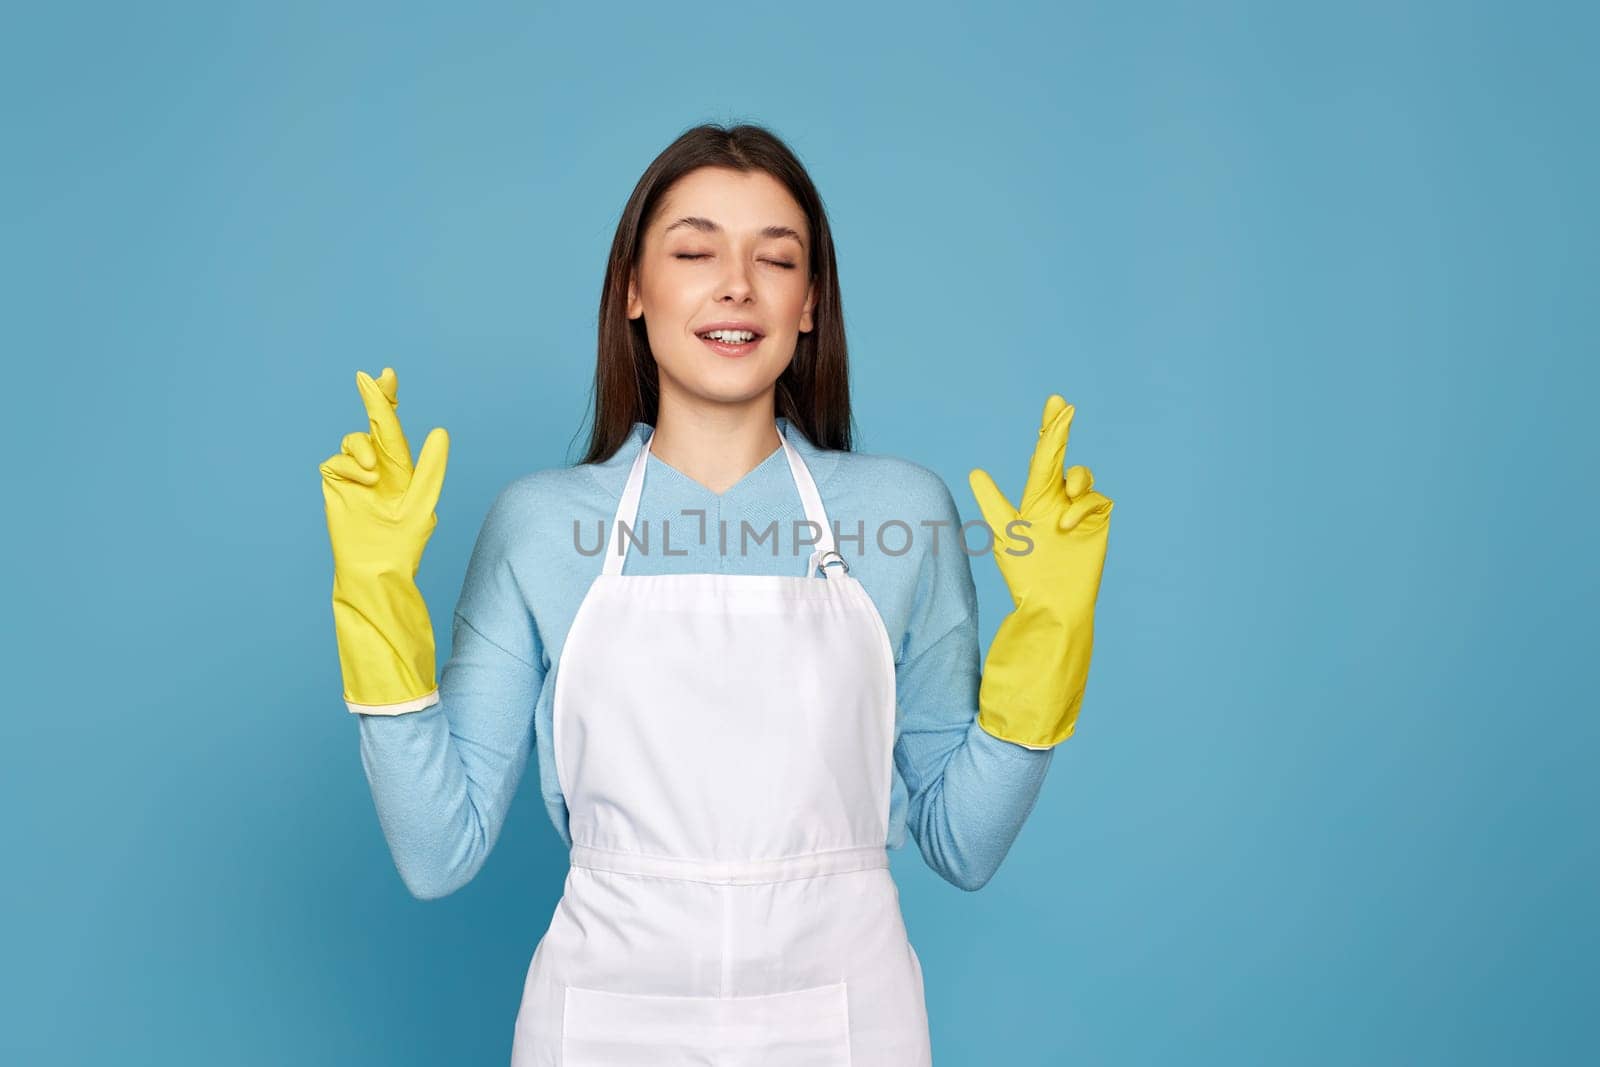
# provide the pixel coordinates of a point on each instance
(807, 324)
(635, 308)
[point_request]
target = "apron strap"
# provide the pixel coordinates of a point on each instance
(816, 514)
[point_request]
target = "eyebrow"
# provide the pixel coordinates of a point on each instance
(705, 225)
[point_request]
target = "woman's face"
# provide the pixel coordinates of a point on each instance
(724, 247)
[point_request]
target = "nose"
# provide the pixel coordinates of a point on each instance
(736, 282)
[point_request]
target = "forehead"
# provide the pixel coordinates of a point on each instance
(741, 202)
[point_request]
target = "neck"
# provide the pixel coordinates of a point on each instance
(716, 444)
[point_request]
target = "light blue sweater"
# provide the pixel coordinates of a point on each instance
(443, 778)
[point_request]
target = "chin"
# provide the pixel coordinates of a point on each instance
(731, 383)
(727, 392)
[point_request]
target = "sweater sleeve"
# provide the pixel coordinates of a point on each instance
(443, 778)
(969, 792)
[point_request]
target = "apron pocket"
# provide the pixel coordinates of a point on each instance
(803, 1028)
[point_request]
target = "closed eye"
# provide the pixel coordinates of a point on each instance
(702, 255)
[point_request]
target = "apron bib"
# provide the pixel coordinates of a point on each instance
(725, 744)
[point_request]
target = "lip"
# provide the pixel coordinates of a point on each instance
(723, 349)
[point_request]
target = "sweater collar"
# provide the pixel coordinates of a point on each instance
(612, 472)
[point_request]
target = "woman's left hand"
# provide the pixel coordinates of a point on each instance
(1050, 551)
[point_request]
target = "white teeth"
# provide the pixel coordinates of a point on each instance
(735, 337)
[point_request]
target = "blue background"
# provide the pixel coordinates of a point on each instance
(1320, 280)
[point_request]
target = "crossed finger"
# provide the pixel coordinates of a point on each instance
(379, 395)
(1044, 469)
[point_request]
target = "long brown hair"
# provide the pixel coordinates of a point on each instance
(813, 392)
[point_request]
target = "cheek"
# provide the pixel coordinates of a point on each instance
(790, 295)
(668, 287)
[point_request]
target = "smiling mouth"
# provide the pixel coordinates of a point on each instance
(731, 342)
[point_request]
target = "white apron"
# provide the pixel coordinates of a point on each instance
(725, 746)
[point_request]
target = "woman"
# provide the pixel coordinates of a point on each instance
(729, 738)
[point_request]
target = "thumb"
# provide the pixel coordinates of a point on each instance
(428, 478)
(997, 510)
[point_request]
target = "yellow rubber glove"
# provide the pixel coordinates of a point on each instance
(380, 516)
(1038, 664)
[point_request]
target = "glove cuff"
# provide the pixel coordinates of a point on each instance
(404, 707)
(386, 646)
(1034, 678)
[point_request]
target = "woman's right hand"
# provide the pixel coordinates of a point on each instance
(380, 511)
